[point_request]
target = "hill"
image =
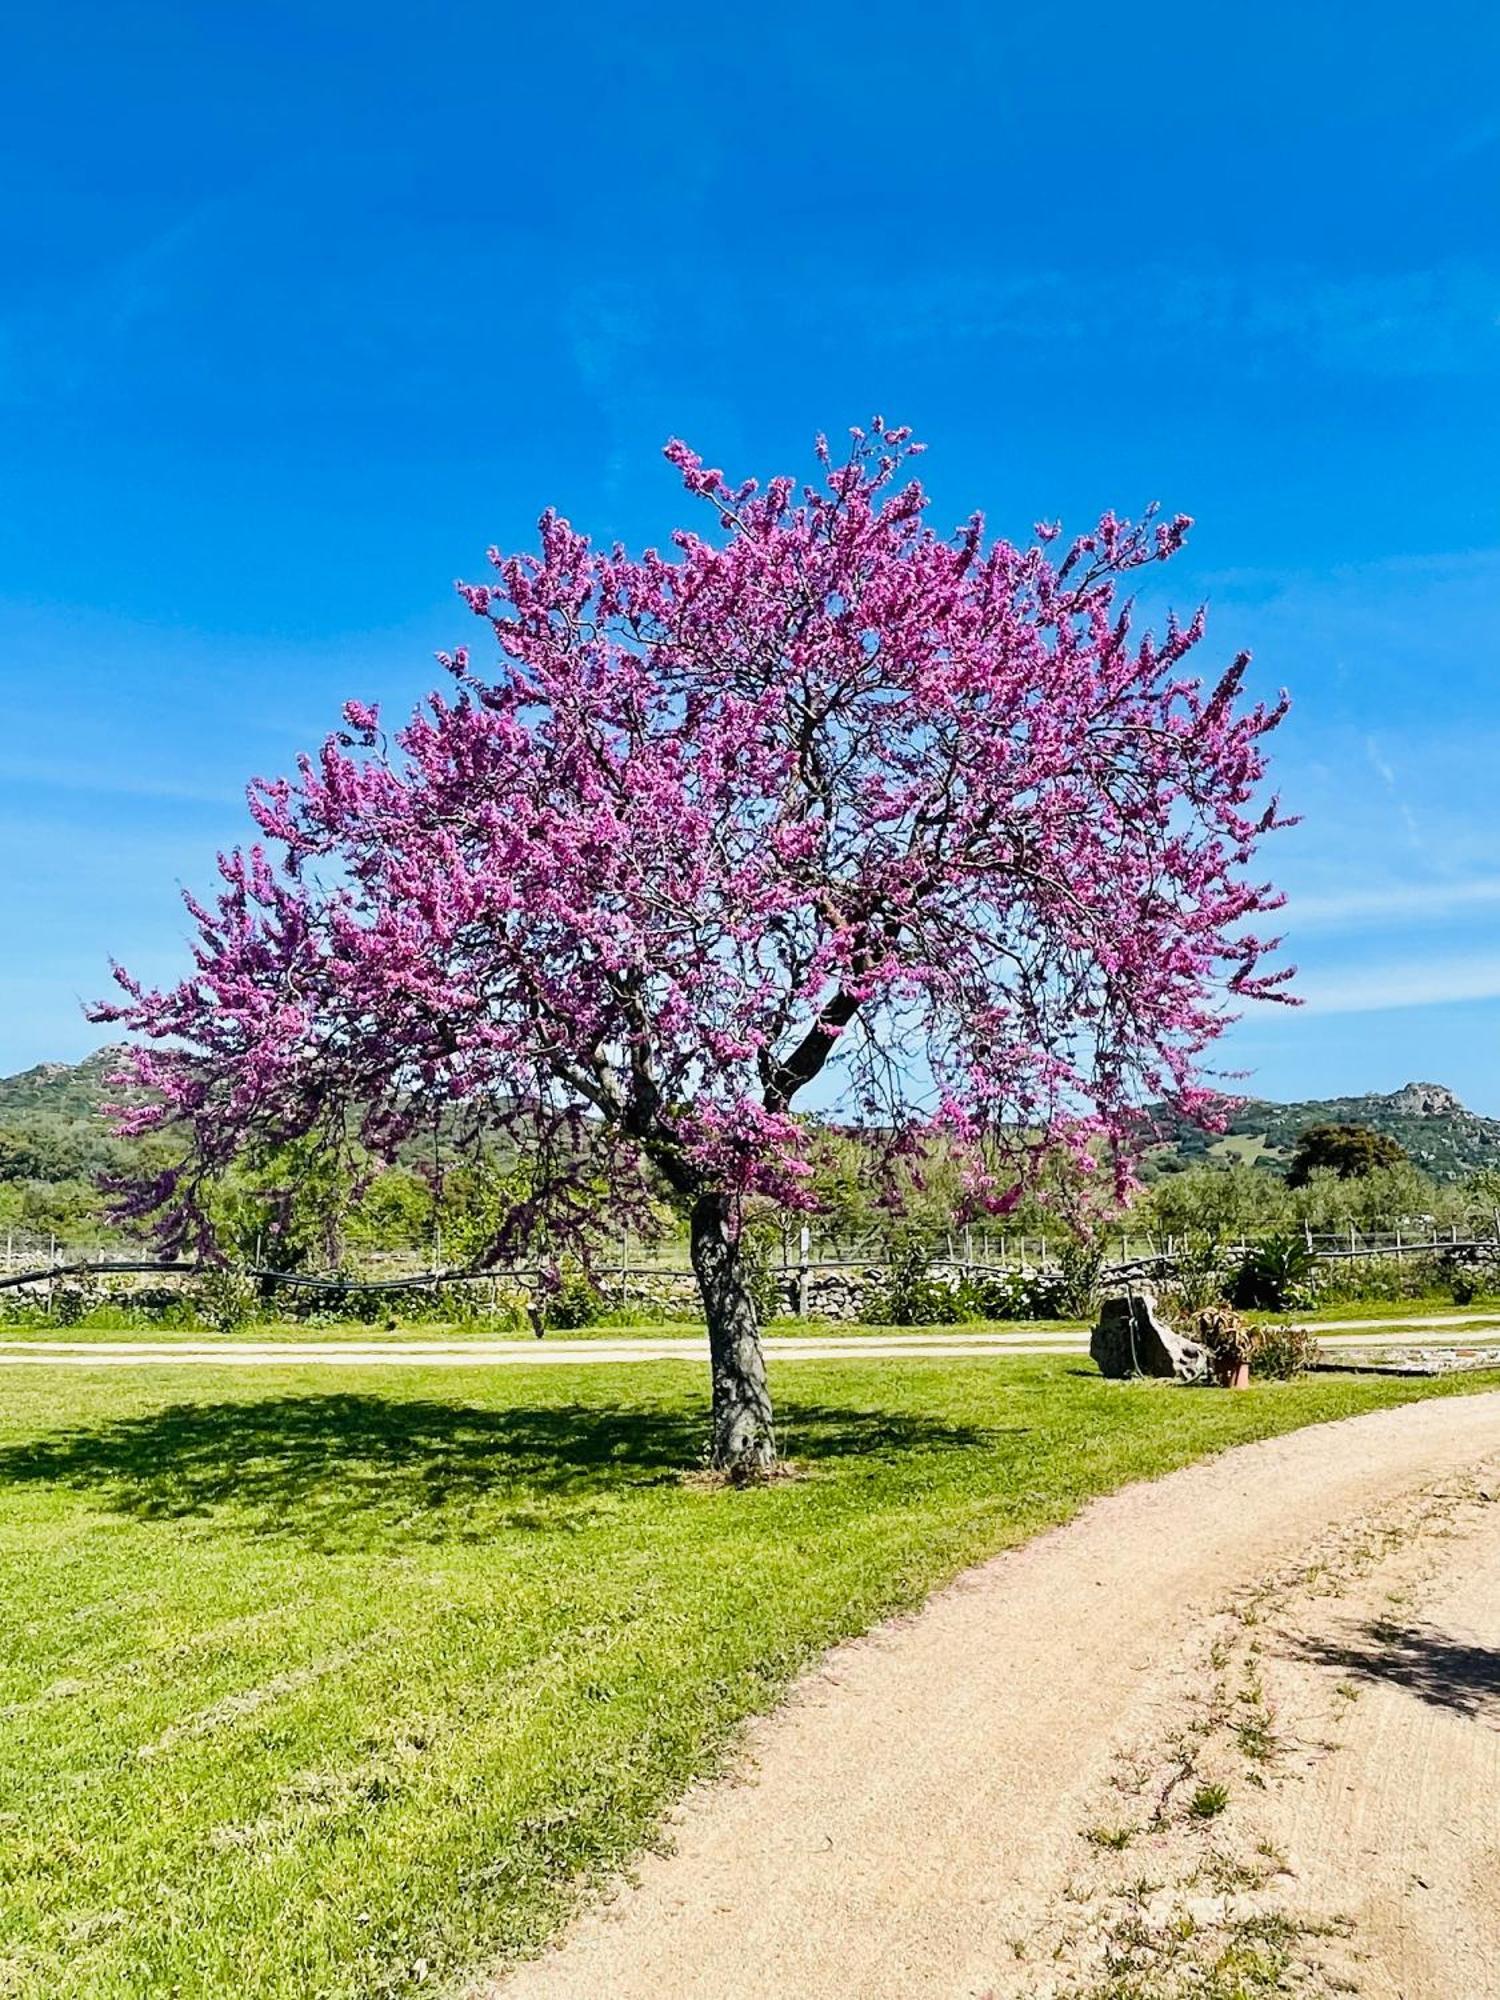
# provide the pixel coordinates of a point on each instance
(1442, 1136)
(70, 1093)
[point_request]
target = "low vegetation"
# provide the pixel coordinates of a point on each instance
(334, 1687)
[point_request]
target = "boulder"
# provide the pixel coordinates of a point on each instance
(1133, 1339)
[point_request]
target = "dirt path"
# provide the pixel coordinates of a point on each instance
(1111, 1753)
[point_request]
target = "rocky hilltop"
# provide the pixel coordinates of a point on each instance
(1425, 1100)
(1438, 1130)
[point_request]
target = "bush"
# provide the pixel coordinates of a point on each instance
(1198, 1279)
(72, 1304)
(1465, 1282)
(1281, 1352)
(573, 1302)
(224, 1298)
(1275, 1276)
(1226, 1336)
(1081, 1266)
(916, 1297)
(1377, 1280)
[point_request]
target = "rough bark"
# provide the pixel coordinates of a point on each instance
(743, 1438)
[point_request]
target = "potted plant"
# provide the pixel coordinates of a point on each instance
(1230, 1343)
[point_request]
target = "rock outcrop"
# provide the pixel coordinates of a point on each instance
(1132, 1338)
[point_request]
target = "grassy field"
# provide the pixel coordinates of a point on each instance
(309, 1333)
(335, 1687)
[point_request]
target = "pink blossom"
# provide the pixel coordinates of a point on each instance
(818, 796)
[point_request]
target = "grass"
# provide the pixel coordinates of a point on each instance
(1438, 1305)
(339, 1686)
(105, 1327)
(1208, 1801)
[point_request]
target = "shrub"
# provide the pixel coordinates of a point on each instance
(1226, 1336)
(1377, 1280)
(224, 1298)
(573, 1302)
(1281, 1352)
(1081, 1266)
(1275, 1276)
(1198, 1278)
(1041, 1294)
(913, 1297)
(1465, 1282)
(72, 1304)
(762, 1274)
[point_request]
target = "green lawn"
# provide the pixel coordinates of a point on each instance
(309, 1333)
(1440, 1306)
(322, 1685)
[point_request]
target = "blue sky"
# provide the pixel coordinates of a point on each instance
(302, 308)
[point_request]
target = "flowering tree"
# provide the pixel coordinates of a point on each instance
(820, 797)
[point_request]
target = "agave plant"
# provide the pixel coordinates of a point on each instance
(1274, 1275)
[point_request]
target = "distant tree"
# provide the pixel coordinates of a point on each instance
(824, 799)
(1380, 1199)
(1350, 1151)
(39, 1152)
(1223, 1203)
(282, 1203)
(394, 1212)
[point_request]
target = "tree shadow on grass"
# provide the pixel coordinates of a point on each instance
(1436, 1667)
(342, 1468)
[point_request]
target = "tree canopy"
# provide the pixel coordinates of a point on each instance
(819, 797)
(1350, 1151)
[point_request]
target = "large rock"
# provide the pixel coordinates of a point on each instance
(1132, 1339)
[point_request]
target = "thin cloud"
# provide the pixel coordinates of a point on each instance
(1407, 902)
(115, 782)
(1383, 771)
(1418, 982)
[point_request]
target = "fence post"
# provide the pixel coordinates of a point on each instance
(804, 1259)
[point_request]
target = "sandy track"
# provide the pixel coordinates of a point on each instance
(911, 1821)
(1392, 1815)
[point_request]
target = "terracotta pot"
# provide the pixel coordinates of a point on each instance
(1232, 1374)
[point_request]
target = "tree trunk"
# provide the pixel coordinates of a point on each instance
(744, 1439)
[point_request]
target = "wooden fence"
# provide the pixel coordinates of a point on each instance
(34, 1261)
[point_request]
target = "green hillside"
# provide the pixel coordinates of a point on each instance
(1441, 1135)
(59, 1104)
(69, 1093)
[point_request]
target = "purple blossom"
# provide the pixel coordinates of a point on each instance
(819, 795)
